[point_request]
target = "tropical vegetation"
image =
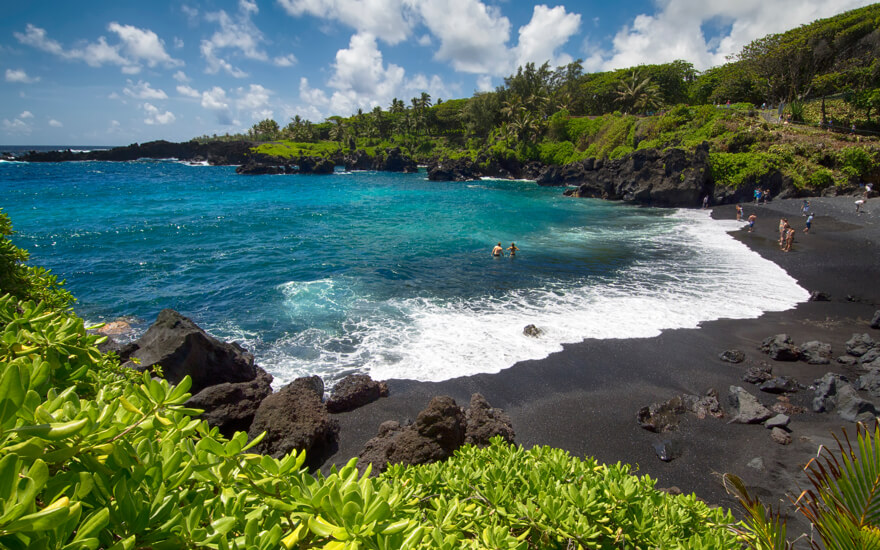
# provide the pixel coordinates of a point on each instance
(823, 76)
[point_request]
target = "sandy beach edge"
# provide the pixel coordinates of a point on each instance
(584, 399)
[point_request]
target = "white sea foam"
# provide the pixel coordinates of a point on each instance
(713, 276)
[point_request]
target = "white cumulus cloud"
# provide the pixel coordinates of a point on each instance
(390, 20)
(25, 115)
(361, 79)
(548, 30)
(188, 91)
(255, 99)
(155, 116)
(284, 60)
(136, 47)
(239, 35)
(54, 123)
(216, 100)
(143, 45)
(676, 30)
(20, 76)
(143, 90)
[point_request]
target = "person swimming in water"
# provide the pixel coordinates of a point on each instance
(512, 249)
(498, 251)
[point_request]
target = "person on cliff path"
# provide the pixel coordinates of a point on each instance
(809, 223)
(498, 251)
(739, 213)
(512, 249)
(752, 219)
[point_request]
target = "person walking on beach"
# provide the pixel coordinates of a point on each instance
(739, 213)
(498, 251)
(512, 249)
(752, 219)
(783, 226)
(809, 223)
(789, 239)
(805, 209)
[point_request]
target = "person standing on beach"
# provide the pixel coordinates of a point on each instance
(512, 249)
(859, 204)
(757, 195)
(752, 219)
(706, 201)
(789, 239)
(809, 223)
(783, 226)
(805, 209)
(498, 251)
(739, 213)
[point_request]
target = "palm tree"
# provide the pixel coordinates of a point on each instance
(638, 94)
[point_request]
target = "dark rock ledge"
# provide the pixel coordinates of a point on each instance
(236, 395)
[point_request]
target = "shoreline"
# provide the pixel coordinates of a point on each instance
(584, 399)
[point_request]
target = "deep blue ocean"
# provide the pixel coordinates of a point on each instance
(389, 274)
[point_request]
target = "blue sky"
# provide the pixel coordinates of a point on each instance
(117, 72)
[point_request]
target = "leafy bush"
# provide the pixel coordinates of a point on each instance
(553, 152)
(25, 282)
(855, 161)
(821, 178)
(507, 497)
(736, 169)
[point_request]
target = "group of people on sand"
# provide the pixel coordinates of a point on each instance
(762, 196)
(499, 251)
(786, 231)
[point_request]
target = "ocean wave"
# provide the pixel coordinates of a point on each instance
(707, 275)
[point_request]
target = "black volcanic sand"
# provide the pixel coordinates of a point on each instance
(584, 399)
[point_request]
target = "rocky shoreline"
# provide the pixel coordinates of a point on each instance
(650, 177)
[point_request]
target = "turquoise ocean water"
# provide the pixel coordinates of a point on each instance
(389, 274)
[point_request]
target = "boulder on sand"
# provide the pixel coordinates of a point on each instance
(440, 429)
(353, 391)
(485, 422)
(781, 348)
(294, 418)
(749, 409)
(859, 344)
(181, 348)
(230, 407)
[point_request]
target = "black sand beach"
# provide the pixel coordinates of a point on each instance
(584, 399)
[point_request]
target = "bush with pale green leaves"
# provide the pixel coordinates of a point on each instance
(93, 455)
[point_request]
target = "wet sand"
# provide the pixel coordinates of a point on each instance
(584, 399)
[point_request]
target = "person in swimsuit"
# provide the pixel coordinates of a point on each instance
(512, 249)
(752, 219)
(498, 251)
(739, 213)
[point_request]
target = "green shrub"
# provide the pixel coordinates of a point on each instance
(552, 152)
(25, 282)
(855, 161)
(736, 169)
(821, 178)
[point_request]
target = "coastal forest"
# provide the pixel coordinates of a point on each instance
(820, 83)
(94, 455)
